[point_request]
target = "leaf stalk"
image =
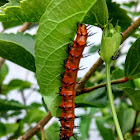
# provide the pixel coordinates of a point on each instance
(110, 96)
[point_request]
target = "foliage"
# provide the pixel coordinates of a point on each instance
(117, 14)
(96, 98)
(23, 10)
(63, 27)
(18, 48)
(44, 53)
(132, 63)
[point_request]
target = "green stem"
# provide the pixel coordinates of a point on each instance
(110, 96)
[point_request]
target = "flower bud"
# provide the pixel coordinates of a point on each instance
(111, 40)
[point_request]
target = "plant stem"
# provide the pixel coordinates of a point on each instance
(110, 96)
(42, 134)
(37, 128)
(117, 81)
(24, 27)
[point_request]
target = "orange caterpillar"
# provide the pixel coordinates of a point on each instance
(67, 92)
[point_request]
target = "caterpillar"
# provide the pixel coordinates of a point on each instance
(67, 91)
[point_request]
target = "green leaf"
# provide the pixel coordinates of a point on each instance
(134, 13)
(136, 137)
(10, 24)
(10, 3)
(132, 62)
(6, 129)
(49, 132)
(23, 10)
(6, 115)
(126, 123)
(95, 98)
(35, 105)
(10, 128)
(56, 28)
(104, 128)
(3, 72)
(119, 73)
(18, 48)
(134, 96)
(85, 126)
(99, 13)
(34, 115)
(2, 129)
(19, 131)
(130, 4)
(14, 113)
(15, 84)
(117, 14)
(136, 34)
(137, 82)
(6, 105)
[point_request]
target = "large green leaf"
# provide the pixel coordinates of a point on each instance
(118, 14)
(23, 10)
(134, 96)
(126, 123)
(132, 62)
(56, 28)
(18, 48)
